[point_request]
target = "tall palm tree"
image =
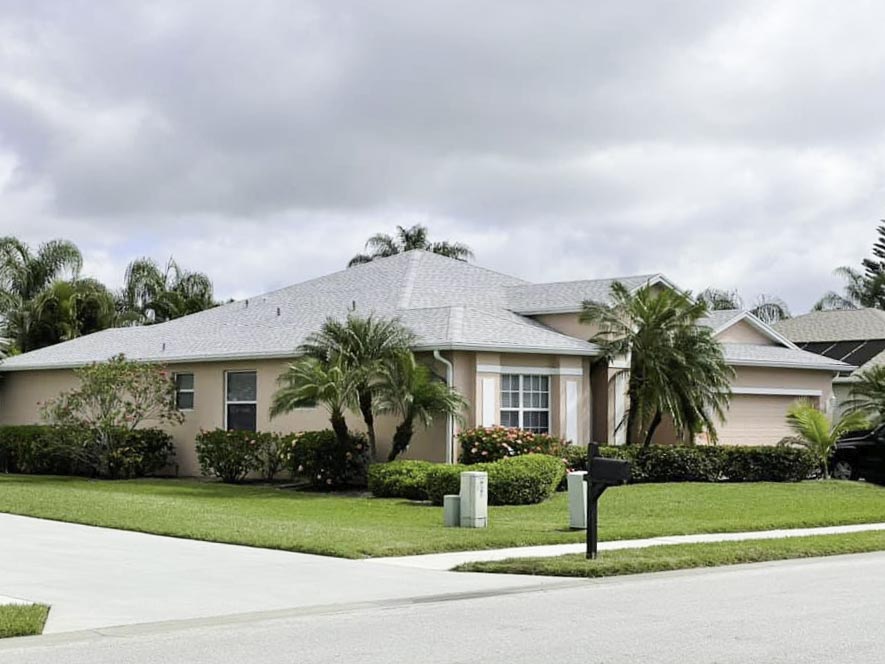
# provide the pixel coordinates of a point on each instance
(861, 290)
(309, 381)
(817, 433)
(410, 390)
(383, 245)
(361, 345)
(767, 308)
(867, 394)
(717, 299)
(152, 294)
(67, 310)
(677, 368)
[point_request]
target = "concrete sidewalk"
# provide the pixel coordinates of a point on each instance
(446, 561)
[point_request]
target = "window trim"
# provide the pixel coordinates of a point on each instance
(227, 402)
(192, 391)
(521, 409)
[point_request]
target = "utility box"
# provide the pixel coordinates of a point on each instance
(474, 500)
(577, 500)
(451, 511)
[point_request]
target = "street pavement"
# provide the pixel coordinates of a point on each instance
(815, 610)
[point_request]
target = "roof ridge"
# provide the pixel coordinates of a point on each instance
(409, 281)
(581, 281)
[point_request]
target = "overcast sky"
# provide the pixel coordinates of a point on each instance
(735, 144)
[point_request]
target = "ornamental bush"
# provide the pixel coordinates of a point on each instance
(135, 453)
(399, 479)
(326, 463)
(229, 455)
(767, 464)
(486, 444)
(523, 480)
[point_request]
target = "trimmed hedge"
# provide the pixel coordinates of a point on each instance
(228, 455)
(57, 450)
(399, 479)
(326, 464)
(768, 464)
(522, 480)
(487, 444)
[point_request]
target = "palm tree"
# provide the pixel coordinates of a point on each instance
(677, 368)
(767, 308)
(861, 290)
(817, 433)
(383, 245)
(65, 311)
(867, 394)
(717, 299)
(361, 345)
(152, 294)
(411, 391)
(310, 381)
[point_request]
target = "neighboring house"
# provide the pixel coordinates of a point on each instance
(514, 349)
(854, 336)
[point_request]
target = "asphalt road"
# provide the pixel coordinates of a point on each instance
(819, 610)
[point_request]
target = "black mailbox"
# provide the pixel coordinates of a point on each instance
(601, 474)
(609, 471)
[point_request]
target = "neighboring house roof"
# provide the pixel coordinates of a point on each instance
(778, 356)
(447, 303)
(569, 296)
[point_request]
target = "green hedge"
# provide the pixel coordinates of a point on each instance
(399, 479)
(487, 444)
(521, 480)
(54, 450)
(319, 458)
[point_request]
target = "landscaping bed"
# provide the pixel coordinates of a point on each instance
(684, 556)
(356, 526)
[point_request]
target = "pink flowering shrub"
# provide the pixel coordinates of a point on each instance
(229, 455)
(326, 464)
(485, 444)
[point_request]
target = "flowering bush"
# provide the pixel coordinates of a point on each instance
(230, 455)
(485, 444)
(272, 453)
(319, 458)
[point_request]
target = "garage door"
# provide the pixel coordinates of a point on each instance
(756, 420)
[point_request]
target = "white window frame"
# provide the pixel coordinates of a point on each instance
(227, 402)
(521, 408)
(192, 391)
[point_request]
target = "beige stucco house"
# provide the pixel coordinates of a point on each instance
(514, 349)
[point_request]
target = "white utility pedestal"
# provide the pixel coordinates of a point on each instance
(451, 511)
(474, 500)
(577, 500)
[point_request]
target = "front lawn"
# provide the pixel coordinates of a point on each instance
(684, 556)
(356, 526)
(22, 619)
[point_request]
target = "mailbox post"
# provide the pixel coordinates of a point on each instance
(601, 474)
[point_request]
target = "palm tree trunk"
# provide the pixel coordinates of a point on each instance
(365, 399)
(656, 420)
(401, 438)
(632, 402)
(339, 426)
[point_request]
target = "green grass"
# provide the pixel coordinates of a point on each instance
(22, 619)
(684, 556)
(355, 526)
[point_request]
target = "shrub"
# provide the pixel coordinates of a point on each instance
(767, 464)
(326, 463)
(575, 457)
(134, 453)
(271, 453)
(523, 480)
(487, 444)
(399, 479)
(230, 455)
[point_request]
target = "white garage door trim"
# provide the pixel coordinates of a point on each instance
(778, 391)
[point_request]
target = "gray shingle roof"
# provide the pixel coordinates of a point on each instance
(717, 319)
(448, 303)
(567, 296)
(843, 325)
(753, 354)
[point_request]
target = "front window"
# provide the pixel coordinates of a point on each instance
(184, 391)
(241, 401)
(525, 402)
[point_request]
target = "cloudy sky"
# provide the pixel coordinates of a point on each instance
(737, 144)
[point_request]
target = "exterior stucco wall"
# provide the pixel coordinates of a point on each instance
(744, 333)
(568, 324)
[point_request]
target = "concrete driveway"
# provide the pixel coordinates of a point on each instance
(97, 577)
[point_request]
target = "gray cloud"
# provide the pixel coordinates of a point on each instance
(733, 144)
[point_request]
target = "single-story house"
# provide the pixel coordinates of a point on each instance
(853, 336)
(515, 350)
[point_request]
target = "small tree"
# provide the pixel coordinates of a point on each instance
(410, 390)
(817, 433)
(114, 398)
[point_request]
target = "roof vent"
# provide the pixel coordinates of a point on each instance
(246, 302)
(164, 345)
(278, 311)
(353, 306)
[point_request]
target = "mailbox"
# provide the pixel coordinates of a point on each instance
(609, 471)
(601, 474)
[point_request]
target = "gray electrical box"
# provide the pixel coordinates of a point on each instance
(474, 500)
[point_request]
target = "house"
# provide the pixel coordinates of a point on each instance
(516, 351)
(853, 336)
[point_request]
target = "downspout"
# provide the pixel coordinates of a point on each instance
(450, 419)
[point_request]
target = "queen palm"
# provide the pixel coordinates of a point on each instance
(310, 381)
(677, 368)
(152, 294)
(817, 433)
(67, 310)
(867, 394)
(411, 391)
(361, 345)
(383, 245)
